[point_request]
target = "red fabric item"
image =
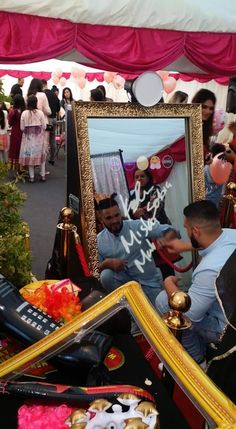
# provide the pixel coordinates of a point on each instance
(176, 151)
(169, 259)
(82, 259)
(121, 49)
(15, 138)
(99, 76)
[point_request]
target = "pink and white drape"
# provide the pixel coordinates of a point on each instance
(29, 38)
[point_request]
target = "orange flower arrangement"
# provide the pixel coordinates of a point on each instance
(57, 300)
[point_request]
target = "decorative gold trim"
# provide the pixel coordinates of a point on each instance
(212, 402)
(83, 111)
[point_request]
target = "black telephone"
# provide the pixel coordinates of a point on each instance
(28, 324)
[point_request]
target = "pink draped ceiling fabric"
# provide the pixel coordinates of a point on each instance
(28, 38)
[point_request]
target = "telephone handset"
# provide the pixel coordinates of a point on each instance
(28, 324)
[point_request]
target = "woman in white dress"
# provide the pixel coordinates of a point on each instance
(33, 147)
(36, 88)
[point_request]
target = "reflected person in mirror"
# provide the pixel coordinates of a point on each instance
(125, 250)
(147, 192)
(147, 195)
(215, 246)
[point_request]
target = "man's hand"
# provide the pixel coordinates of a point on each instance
(141, 212)
(170, 284)
(176, 245)
(114, 264)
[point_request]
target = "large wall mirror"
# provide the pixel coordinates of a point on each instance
(112, 138)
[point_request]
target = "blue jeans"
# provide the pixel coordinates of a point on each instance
(196, 338)
(112, 280)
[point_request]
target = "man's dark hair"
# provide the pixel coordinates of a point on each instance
(102, 88)
(217, 148)
(107, 203)
(44, 82)
(201, 211)
(97, 94)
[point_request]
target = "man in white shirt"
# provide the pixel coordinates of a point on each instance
(215, 245)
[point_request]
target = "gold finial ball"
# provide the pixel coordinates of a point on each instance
(180, 301)
(231, 186)
(67, 215)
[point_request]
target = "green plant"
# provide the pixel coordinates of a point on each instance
(3, 97)
(15, 259)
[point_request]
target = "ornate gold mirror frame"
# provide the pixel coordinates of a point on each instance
(83, 112)
(218, 410)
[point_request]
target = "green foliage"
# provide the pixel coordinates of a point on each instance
(15, 260)
(3, 97)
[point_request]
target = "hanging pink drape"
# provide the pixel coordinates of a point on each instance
(27, 38)
(99, 76)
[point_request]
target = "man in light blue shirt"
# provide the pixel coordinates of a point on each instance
(215, 245)
(125, 250)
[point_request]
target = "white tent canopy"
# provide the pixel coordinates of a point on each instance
(210, 15)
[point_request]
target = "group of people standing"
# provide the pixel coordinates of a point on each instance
(33, 124)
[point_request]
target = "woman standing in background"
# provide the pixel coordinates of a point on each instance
(207, 99)
(16, 133)
(67, 97)
(33, 149)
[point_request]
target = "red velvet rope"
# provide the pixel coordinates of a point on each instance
(82, 259)
(167, 261)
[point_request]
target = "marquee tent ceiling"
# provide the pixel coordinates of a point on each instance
(135, 137)
(128, 37)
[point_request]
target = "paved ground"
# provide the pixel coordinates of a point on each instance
(41, 211)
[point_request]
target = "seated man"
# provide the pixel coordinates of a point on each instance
(215, 246)
(125, 251)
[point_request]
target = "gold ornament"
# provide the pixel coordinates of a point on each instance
(79, 425)
(135, 423)
(146, 408)
(180, 301)
(99, 405)
(77, 415)
(66, 214)
(128, 396)
(231, 186)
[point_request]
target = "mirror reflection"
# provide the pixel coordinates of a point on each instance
(152, 159)
(142, 161)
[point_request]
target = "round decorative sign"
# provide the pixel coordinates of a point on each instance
(167, 161)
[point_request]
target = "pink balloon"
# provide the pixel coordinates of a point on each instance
(58, 72)
(219, 120)
(169, 84)
(74, 72)
(220, 170)
(55, 79)
(81, 82)
(118, 82)
(109, 76)
(163, 74)
(62, 81)
(81, 73)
